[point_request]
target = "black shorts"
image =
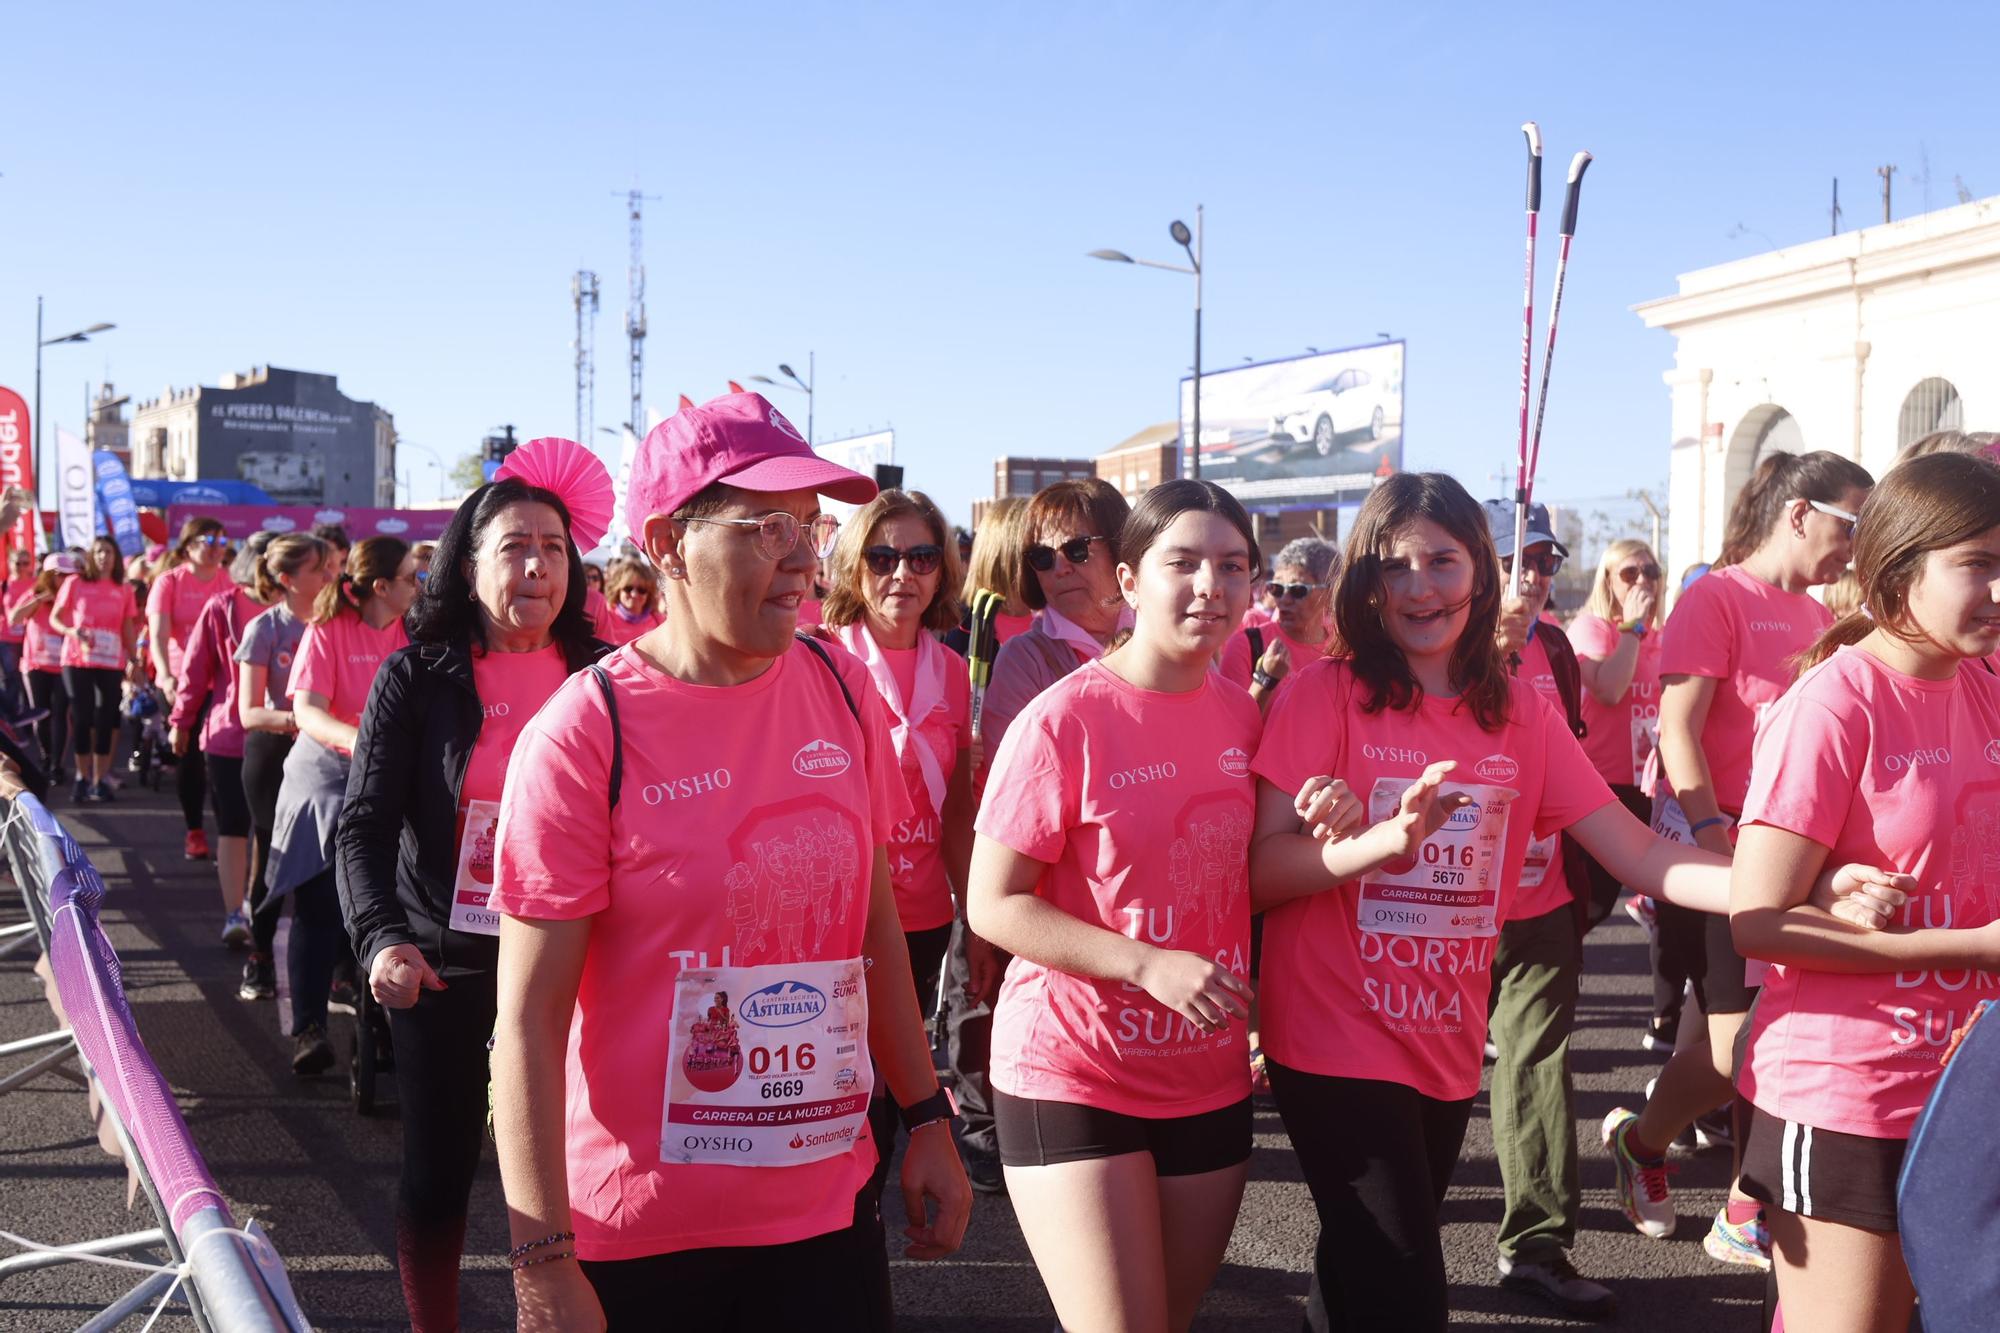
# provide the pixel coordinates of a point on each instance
(1720, 987)
(1820, 1173)
(1039, 1133)
(225, 790)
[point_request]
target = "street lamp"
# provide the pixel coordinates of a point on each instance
(1191, 243)
(80, 336)
(812, 373)
(436, 462)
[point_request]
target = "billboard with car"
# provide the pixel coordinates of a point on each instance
(1304, 432)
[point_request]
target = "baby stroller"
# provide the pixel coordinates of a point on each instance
(146, 708)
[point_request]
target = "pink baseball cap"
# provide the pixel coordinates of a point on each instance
(738, 438)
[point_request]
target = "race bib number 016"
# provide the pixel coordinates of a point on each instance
(1448, 889)
(768, 1065)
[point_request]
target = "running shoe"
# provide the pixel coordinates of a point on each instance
(81, 792)
(340, 996)
(236, 929)
(1556, 1281)
(1747, 1245)
(1642, 1182)
(101, 792)
(1658, 1038)
(312, 1053)
(196, 846)
(260, 979)
(982, 1170)
(1714, 1130)
(1644, 911)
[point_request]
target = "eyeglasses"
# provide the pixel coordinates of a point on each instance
(1076, 550)
(1547, 564)
(882, 560)
(778, 534)
(1832, 511)
(1296, 591)
(1631, 574)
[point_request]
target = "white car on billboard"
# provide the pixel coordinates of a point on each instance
(1349, 404)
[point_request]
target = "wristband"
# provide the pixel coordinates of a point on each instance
(1263, 678)
(940, 1105)
(1710, 822)
(1637, 628)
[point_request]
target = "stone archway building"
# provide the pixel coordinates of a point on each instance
(1856, 343)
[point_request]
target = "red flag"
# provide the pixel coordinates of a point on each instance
(17, 464)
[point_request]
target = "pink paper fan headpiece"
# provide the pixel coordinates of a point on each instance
(575, 475)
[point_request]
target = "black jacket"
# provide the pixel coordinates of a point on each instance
(396, 851)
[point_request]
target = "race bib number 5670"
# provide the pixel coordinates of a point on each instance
(1448, 889)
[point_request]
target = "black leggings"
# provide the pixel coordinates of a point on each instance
(46, 689)
(263, 773)
(232, 811)
(927, 950)
(191, 779)
(93, 697)
(1378, 1158)
(836, 1283)
(441, 1076)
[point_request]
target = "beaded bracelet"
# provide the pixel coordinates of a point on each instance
(519, 1264)
(520, 1250)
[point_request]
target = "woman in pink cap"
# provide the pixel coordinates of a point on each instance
(41, 657)
(701, 967)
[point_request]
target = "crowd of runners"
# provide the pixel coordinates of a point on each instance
(667, 874)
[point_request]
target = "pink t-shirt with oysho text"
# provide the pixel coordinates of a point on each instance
(1387, 1002)
(1237, 663)
(1623, 735)
(1744, 633)
(1886, 770)
(512, 687)
(744, 834)
(102, 609)
(338, 659)
(181, 593)
(1142, 803)
(41, 646)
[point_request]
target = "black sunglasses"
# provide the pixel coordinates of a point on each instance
(884, 559)
(1547, 564)
(1631, 574)
(1042, 558)
(1296, 591)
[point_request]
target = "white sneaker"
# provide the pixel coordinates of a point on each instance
(1556, 1281)
(236, 929)
(1642, 1185)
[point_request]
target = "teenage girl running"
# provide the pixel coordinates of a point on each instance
(1884, 751)
(1726, 655)
(1378, 947)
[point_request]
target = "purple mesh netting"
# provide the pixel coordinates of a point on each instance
(89, 981)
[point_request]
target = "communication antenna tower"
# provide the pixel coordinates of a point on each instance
(583, 295)
(635, 310)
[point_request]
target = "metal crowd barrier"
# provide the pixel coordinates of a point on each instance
(231, 1276)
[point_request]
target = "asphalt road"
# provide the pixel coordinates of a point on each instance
(322, 1180)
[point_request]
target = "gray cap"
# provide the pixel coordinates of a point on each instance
(1500, 523)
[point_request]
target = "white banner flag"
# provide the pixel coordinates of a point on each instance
(76, 490)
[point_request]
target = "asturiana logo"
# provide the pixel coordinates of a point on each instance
(778, 420)
(1993, 752)
(1234, 762)
(783, 1004)
(820, 759)
(1497, 768)
(391, 525)
(330, 516)
(1467, 816)
(278, 523)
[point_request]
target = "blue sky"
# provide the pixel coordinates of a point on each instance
(399, 195)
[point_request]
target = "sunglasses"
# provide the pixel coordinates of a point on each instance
(882, 560)
(778, 534)
(1832, 511)
(213, 539)
(1546, 564)
(1042, 558)
(1296, 591)
(1631, 574)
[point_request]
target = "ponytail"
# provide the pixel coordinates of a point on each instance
(367, 561)
(1845, 632)
(1777, 481)
(288, 554)
(334, 598)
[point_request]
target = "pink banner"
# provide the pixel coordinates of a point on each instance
(239, 521)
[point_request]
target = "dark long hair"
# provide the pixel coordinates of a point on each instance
(1930, 503)
(446, 610)
(374, 559)
(1478, 671)
(1777, 481)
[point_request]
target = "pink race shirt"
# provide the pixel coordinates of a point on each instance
(338, 660)
(512, 687)
(916, 848)
(1543, 885)
(1405, 1008)
(1623, 735)
(181, 592)
(744, 834)
(1744, 633)
(101, 608)
(1141, 802)
(41, 646)
(1887, 770)
(1237, 663)
(617, 631)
